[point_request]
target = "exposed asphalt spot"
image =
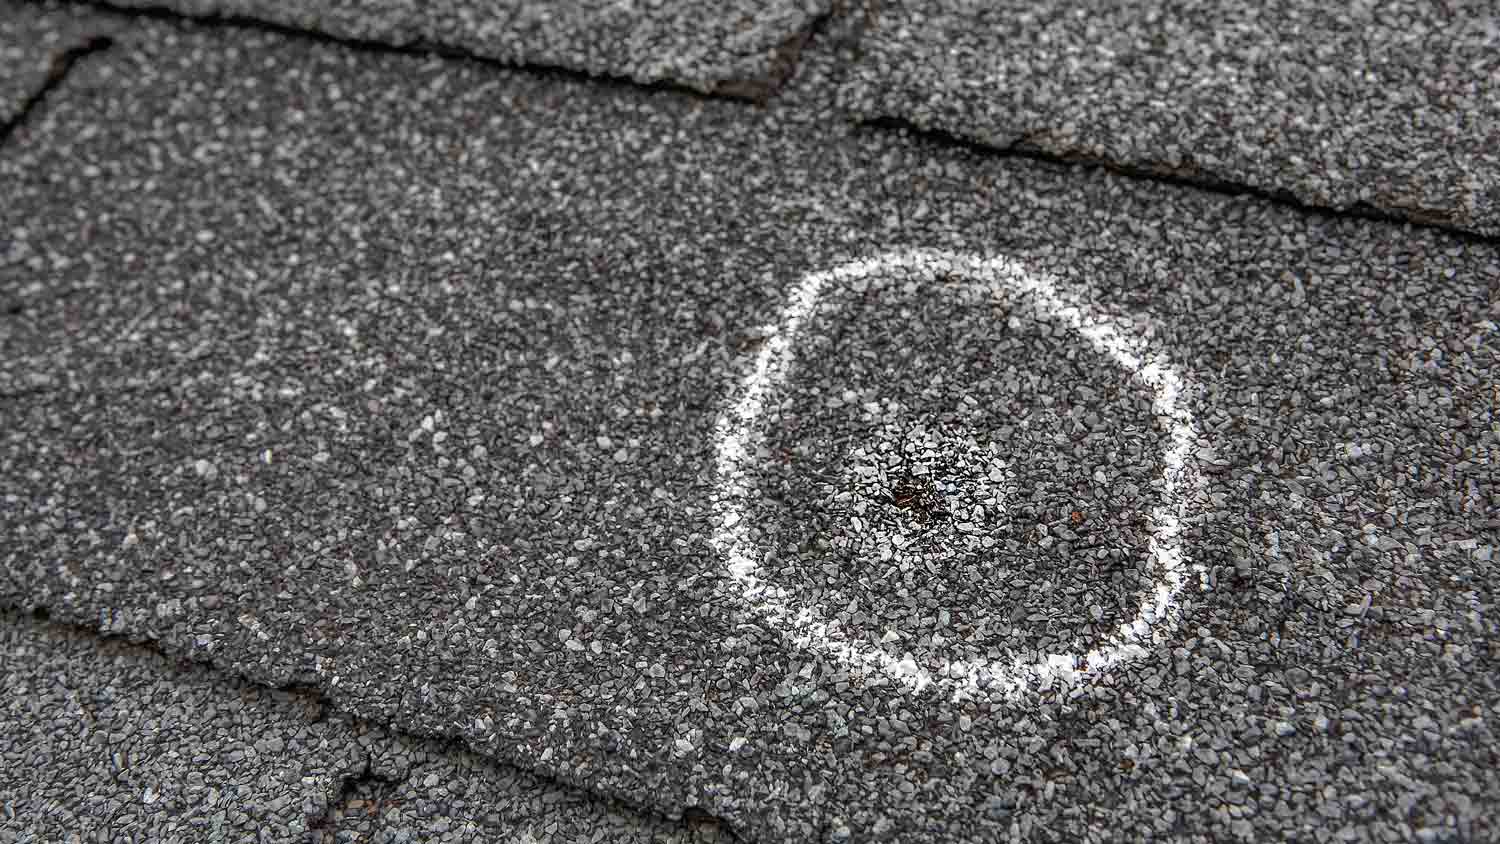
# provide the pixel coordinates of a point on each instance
(362, 793)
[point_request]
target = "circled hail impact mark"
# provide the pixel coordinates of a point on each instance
(807, 627)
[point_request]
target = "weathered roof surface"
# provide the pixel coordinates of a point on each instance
(734, 47)
(429, 387)
(1394, 106)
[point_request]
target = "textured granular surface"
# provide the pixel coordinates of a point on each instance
(404, 379)
(737, 48)
(1393, 107)
(35, 42)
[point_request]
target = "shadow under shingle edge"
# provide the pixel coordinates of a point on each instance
(176, 666)
(843, 14)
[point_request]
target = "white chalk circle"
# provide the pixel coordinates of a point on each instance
(922, 272)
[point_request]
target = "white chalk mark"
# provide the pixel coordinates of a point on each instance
(806, 627)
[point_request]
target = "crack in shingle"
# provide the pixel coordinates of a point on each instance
(368, 788)
(1026, 146)
(62, 64)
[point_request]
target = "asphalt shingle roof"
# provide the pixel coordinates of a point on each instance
(828, 480)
